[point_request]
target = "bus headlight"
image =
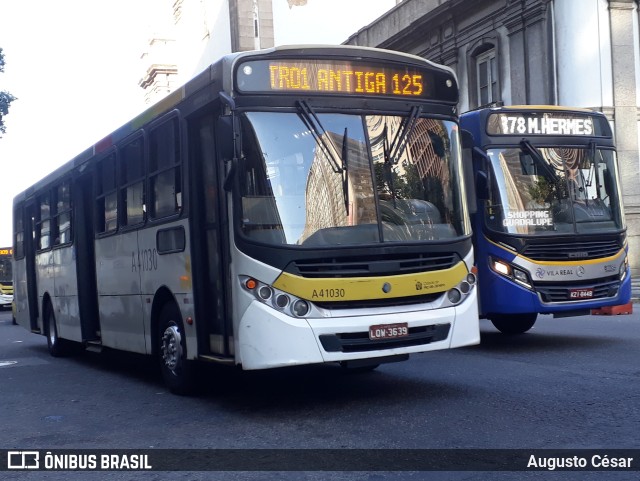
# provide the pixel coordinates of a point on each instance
(507, 270)
(454, 295)
(265, 293)
(623, 268)
(281, 301)
(501, 267)
(521, 277)
(300, 308)
(458, 293)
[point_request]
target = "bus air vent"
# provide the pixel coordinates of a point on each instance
(368, 266)
(572, 250)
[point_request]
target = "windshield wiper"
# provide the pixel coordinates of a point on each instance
(345, 169)
(400, 141)
(328, 147)
(312, 122)
(526, 146)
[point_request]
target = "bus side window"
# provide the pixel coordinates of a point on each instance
(164, 170)
(107, 199)
(18, 217)
(63, 214)
(132, 182)
(43, 231)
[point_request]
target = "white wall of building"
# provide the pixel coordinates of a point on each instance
(583, 52)
(203, 34)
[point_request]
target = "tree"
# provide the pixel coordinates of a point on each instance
(5, 99)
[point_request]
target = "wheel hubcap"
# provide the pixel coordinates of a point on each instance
(171, 347)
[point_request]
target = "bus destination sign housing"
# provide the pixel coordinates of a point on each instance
(345, 77)
(547, 123)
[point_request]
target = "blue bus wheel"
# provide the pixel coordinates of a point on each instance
(514, 323)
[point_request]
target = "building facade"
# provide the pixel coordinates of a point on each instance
(189, 35)
(579, 53)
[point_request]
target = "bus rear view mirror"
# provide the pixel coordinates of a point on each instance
(227, 145)
(482, 185)
(225, 137)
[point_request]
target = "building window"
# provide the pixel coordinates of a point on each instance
(487, 77)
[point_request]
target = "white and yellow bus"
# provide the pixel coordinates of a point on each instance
(291, 206)
(6, 277)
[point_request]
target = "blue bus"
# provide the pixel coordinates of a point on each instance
(549, 229)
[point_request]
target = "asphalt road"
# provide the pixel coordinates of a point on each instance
(569, 383)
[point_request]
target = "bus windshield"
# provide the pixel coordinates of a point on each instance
(336, 179)
(5, 269)
(547, 190)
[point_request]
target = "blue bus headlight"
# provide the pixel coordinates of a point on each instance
(511, 272)
(521, 277)
(623, 268)
(501, 267)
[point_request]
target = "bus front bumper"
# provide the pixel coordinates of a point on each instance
(267, 338)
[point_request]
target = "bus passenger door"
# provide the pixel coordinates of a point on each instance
(208, 241)
(86, 258)
(30, 260)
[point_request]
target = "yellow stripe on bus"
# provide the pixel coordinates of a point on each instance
(572, 262)
(366, 288)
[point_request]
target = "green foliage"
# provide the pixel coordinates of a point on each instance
(5, 99)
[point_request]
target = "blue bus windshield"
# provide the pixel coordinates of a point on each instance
(553, 190)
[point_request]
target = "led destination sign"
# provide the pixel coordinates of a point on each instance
(546, 123)
(339, 77)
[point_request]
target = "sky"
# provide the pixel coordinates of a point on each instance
(74, 67)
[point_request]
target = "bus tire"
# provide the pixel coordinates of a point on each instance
(514, 323)
(178, 372)
(57, 347)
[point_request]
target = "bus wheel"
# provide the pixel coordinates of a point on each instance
(57, 347)
(514, 323)
(178, 373)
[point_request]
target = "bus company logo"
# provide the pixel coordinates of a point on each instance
(540, 272)
(23, 460)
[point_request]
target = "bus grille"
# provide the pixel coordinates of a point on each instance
(370, 303)
(572, 251)
(560, 293)
(366, 266)
(360, 342)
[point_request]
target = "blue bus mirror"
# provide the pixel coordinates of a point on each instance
(482, 185)
(466, 138)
